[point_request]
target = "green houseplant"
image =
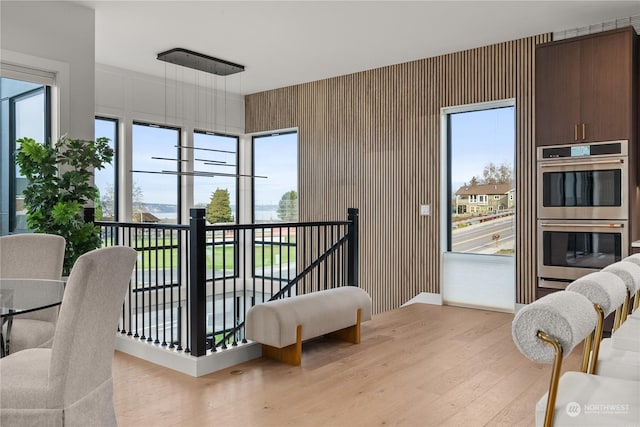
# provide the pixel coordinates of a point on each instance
(59, 185)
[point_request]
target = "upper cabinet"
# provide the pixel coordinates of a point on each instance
(584, 88)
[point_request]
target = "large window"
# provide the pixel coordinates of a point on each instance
(481, 143)
(275, 198)
(24, 112)
(478, 266)
(155, 163)
(106, 179)
(218, 155)
(275, 188)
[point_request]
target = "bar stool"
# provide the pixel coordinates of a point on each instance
(547, 329)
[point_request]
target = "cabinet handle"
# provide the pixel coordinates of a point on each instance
(575, 132)
(591, 225)
(612, 161)
(584, 131)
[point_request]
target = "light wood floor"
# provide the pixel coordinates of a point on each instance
(420, 365)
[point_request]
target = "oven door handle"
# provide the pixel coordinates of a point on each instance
(592, 162)
(569, 224)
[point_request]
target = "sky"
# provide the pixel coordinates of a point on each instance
(478, 138)
(204, 187)
(105, 177)
(275, 156)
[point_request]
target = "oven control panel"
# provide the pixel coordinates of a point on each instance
(598, 149)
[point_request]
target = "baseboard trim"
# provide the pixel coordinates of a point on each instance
(425, 298)
(185, 363)
(519, 307)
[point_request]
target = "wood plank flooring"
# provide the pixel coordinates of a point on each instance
(420, 365)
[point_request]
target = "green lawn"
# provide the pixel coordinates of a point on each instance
(266, 255)
(273, 255)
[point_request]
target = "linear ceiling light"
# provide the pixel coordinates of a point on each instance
(199, 61)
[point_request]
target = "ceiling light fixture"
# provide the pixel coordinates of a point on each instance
(199, 61)
(208, 64)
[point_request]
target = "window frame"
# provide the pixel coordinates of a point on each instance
(46, 91)
(179, 169)
(115, 163)
(237, 167)
(255, 241)
(253, 167)
(446, 200)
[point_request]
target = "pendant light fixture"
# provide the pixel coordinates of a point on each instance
(208, 64)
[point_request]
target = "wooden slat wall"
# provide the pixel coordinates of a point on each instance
(371, 140)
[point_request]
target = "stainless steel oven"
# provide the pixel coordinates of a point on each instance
(583, 181)
(570, 249)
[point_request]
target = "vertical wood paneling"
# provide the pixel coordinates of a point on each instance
(371, 140)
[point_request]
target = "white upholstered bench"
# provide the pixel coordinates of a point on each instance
(281, 325)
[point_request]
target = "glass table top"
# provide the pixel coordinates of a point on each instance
(25, 295)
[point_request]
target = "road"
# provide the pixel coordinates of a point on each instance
(478, 238)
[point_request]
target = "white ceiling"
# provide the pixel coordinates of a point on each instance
(282, 43)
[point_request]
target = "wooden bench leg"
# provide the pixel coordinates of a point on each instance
(291, 354)
(350, 334)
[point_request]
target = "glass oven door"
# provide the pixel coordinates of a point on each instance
(583, 189)
(568, 250)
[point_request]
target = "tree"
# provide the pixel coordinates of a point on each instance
(98, 213)
(107, 202)
(474, 181)
(497, 174)
(137, 197)
(288, 206)
(219, 208)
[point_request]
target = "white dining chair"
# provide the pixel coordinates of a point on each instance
(32, 256)
(71, 384)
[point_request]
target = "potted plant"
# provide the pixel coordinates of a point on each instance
(59, 186)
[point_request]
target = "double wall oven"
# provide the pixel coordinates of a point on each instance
(583, 210)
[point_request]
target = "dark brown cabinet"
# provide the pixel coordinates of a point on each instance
(584, 89)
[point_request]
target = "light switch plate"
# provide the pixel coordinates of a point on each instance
(425, 209)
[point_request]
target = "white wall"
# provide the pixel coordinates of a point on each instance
(175, 101)
(57, 37)
(185, 99)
